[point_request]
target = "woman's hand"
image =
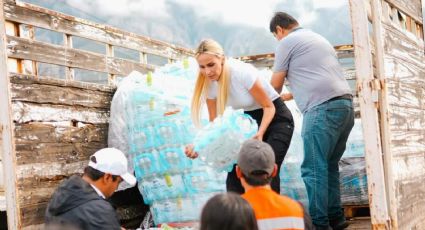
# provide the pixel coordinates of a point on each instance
(258, 136)
(189, 151)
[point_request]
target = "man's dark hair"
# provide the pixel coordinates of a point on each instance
(283, 20)
(95, 174)
(257, 178)
(228, 211)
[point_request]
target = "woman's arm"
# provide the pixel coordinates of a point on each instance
(260, 96)
(212, 112)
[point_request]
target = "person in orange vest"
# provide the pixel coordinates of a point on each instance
(255, 168)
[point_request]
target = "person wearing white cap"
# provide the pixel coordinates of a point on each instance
(79, 202)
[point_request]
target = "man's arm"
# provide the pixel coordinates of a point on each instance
(277, 81)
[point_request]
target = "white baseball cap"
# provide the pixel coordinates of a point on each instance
(112, 161)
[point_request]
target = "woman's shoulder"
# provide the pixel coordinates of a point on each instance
(240, 68)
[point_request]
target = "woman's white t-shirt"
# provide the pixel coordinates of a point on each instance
(242, 78)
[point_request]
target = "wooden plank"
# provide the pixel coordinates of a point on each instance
(28, 112)
(50, 169)
(33, 214)
(370, 122)
(34, 227)
(412, 202)
(6, 132)
(406, 118)
(411, 7)
(380, 70)
(266, 60)
(29, 79)
(28, 67)
(55, 152)
(31, 196)
(38, 132)
(37, 16)
(407, 93)
(409, 167)
(67, 39)
(22, 48)
(359, 223)
(404, 71)
(59, 95)
(408, 143)
(38, 189)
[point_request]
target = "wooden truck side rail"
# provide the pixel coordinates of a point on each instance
(49, 126)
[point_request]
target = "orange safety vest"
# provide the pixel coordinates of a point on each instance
(274, 211)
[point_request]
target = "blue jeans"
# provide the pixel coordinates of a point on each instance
(325, 131)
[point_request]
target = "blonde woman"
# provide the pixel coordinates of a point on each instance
(225, 82)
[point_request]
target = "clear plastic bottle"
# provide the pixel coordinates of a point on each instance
(146, 164)
(219, 142)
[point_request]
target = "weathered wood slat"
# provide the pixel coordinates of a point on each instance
(413, 202)
(31, 196)
(379, 205)
(408, 168)
(60, 95)
(409, 143)
(23, 48)
(7, 148)
(411, 7)
(38, 132)
(403, 47)
(47, 19)
(55, 152)
(30, 79)
(28, 112)
(33, 214)
(266, 60)
(50, 169)
(43, 182)
(34, 227)
(409, 92)
(406, 118)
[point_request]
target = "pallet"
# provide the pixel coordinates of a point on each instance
(351, 211)
(360, 223)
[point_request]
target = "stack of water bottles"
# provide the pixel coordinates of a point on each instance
(353, 169)
(158, 128)
(219, 142)
(291, 183)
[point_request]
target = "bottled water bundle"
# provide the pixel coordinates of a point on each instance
(355, 142)
(197, 181)
(219, 142)
(352, 169)
(353, 181)
(150, 122)
(179, 209)
(291, 183)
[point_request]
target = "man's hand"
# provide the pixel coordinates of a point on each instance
(286, 96)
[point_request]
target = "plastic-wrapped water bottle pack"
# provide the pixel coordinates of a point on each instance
(150, 122)
(219, 142)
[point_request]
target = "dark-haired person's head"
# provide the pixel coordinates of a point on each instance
(256, 163)
(228, 211)
(106, 169)
(281, 24)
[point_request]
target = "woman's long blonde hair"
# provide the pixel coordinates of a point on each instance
(210, 46)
